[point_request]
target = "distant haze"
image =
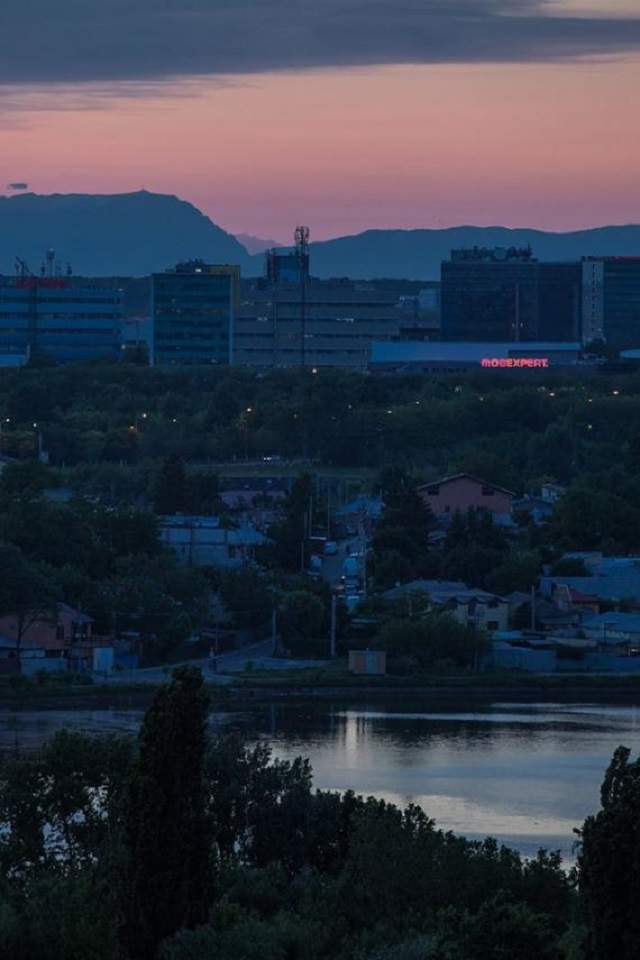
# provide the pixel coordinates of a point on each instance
(137, 233)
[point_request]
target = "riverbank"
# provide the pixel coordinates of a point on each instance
(316, 685)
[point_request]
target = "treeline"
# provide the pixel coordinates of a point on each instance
(507, 430)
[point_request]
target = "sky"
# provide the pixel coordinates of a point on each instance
(341, 114)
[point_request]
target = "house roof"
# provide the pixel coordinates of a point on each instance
(585, 589)
(77, 615)
(372, 506)
(440, 591)
(615, 620)
(466, 476)
(423, 586)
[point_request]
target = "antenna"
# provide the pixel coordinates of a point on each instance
(51, 260)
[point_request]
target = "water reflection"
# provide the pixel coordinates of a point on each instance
(524, 773)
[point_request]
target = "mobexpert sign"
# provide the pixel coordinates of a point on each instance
(515, 362)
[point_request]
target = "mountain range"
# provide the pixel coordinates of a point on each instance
(134, 234)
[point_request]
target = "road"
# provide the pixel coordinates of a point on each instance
(258, 654)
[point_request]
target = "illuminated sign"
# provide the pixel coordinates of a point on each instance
(515, 362)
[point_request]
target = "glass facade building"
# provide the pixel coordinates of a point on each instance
(506, 295)
(193, 309)
(67, 318)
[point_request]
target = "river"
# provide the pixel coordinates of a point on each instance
(527, 774)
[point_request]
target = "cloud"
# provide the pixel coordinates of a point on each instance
(107, 41)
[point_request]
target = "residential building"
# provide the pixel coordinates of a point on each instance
(506, 294)
(461, 492)
(203, 541)
(60, 640)
(194, 308)
(68, 318)
(614, 630)
(611, 300)
(487, 611)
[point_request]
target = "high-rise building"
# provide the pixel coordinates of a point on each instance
(67, 318)
(611, 300)
(506, 294)
(193, 309)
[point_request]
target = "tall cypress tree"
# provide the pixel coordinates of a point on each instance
(168, 831)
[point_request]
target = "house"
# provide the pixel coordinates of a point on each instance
(614, 630)
(551, 492)
(538, 509)
(462, 492)
(63, 640)
(591, 592)
(360, 513)
(203, 541)
(465, 604)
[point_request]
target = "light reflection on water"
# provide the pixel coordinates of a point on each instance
(524, 773)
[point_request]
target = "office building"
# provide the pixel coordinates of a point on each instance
(67, 318)
(611, 300)
(331, 324)
(193, 308)
(506, 294)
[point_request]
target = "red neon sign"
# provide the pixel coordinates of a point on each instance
(515, 362)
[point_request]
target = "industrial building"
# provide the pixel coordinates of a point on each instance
(65, 317)
(506, 294)
(439, 357)
(611, 300)
(193, 308)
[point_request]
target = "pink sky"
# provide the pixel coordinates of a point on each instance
(550, 146)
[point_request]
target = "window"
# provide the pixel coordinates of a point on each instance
(492, 624)
(60, 632)
(488, 491)
(433, 490)
(447, 509)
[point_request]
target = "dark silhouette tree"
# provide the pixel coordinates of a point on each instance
(609, 864)
(168, 881)
(171, 487)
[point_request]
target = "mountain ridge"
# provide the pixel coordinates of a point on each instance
(140, 232)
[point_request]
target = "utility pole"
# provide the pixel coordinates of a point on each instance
(533, 607)
(332, 635)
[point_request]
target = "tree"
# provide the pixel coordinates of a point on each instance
(518, 571)
(402, 532)
(609, 864)
(27, 592)
(26, 480)
(171, 493)
(301, 620)
(168, 882)
(436, 637)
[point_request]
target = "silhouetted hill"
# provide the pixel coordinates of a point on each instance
(126, 234)
(416, 254)
(133, 234)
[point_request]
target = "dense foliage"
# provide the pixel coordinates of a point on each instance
(187, 851)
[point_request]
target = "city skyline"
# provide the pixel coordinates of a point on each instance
(433, 115)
